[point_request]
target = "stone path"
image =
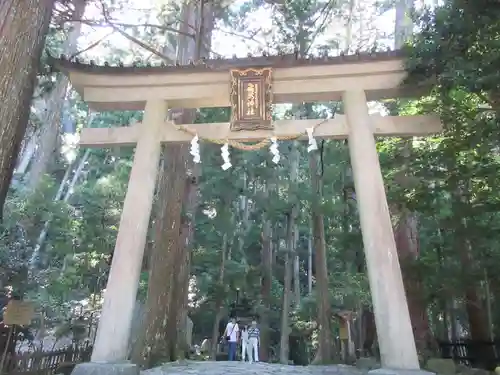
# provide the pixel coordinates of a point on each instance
(241, 368)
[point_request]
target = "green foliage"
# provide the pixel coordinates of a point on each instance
(458, 47)
(454, 173)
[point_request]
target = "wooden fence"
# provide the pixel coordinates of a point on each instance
(481, 354)
(59, 361)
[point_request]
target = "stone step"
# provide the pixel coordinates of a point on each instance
(245, 368)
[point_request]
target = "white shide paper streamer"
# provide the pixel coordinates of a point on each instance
(312, 142)
(274, 150)
(225, 157)
(195, 150)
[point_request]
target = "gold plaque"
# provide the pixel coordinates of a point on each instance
(18, 313)
(251, 99)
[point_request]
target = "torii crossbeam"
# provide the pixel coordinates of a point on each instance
(249, 86)
(385, 126)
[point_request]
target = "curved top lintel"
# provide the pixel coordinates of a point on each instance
(219, 65)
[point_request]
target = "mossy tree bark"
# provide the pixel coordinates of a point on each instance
(23, 27)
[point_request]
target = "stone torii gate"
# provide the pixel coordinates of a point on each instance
(249, 86)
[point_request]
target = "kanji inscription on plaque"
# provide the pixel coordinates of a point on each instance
(251, 99)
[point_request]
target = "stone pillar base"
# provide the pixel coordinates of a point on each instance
(103, 368)
(387, 371)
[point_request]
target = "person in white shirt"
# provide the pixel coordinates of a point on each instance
(231, 335)
(245, 350)
(253, 341)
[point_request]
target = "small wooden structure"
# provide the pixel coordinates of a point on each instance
(348, 349)
(15, 317)
(59, 361)
(354, 80)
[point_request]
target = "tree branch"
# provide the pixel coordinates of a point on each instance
(141, 43)
(161, 27)
(130, 37)
(109, 23)
(328, 8)
(247, 37)
(92, 45)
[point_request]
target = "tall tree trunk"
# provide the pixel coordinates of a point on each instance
(324, 311)
(296, 275)
(46, 151)
(489, 307)
(199, 14)
(296, 258)
(310, 260)
(444, 297)
(151, 347)
(167, 299)
(455, 326)
(177, 320)
(23, 27)
(406, 230)
(181, 257)
(244, 226)
(478, 319)
(266, 282)
(266, 269)
(287, 285)
(219, 307)
(291, 237)
(406, 237)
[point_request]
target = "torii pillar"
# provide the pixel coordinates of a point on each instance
(113, 333)
(392, 318)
